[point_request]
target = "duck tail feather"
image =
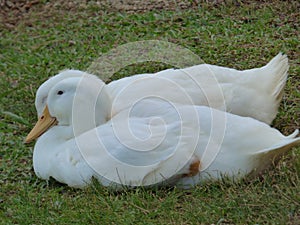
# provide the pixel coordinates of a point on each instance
(278, 68)
(286, 144)
(268, 157)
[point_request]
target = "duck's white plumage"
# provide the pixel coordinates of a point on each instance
(58, 154)
(254, 93)
(177, 138)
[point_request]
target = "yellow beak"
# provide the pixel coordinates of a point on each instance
(43, 124)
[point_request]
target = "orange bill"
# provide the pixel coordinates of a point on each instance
(43, 124)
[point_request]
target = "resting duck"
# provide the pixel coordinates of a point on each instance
(154, 142)
(252, 93)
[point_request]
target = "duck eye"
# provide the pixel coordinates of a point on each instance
(60, 92)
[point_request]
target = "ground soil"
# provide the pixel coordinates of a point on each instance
(12, 12)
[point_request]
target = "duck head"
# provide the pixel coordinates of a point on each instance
(43, 90)
(80, 102)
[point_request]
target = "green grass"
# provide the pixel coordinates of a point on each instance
(48, 40)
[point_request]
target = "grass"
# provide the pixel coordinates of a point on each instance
(49, 39)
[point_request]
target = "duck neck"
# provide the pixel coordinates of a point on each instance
(103, 108)
(92, 111)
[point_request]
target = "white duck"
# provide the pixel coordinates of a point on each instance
(254, 93)
(153, 142)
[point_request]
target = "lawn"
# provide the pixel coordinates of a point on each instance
(40, 38)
